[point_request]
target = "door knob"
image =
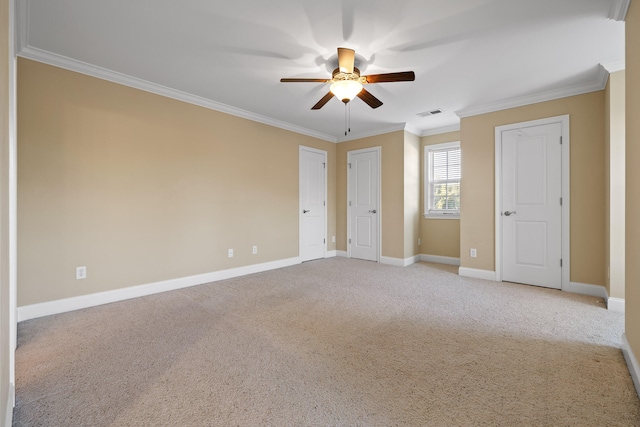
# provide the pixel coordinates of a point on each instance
(507, 213)
(305, 210)
(373, 211)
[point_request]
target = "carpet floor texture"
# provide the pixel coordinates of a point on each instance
(335, 342)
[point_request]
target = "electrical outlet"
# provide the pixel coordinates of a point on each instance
(81, 273)
(254, 250)
(419, 241)
(333, 239)
(473, 253)
(230, 253)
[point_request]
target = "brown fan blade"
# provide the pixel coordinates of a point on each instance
(323, 101)
(293, 80)
(346, 59)
(403, 76)
(371, 100)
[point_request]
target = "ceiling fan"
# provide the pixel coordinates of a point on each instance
(347, 83)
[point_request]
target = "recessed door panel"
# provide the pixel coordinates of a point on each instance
(363, 232)
(363, 182)
(531, 179)
(530, 243)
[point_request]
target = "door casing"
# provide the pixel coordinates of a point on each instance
(565, 183)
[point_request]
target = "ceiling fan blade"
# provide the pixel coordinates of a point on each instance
(323, 101)
(371, 100)
(291, 80)
(346, 59)
(403, 76)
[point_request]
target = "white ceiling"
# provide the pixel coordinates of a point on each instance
(469, 56)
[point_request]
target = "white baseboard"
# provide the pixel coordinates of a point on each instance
(411, 260)
(586, 289)
(438, 259)
(330, 254)
(76, 303)
(632, 363)
(476, 273)
(8, 419)
(399, 262)
(615, 304)
(342, 254)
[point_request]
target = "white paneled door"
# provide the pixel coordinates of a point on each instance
(531, 211)
(313, 178)
(363, 200)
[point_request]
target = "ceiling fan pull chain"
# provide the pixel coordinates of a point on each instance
(349, 104)
(345, 119)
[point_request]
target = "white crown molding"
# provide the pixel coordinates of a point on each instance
(413, 130)
(614, 66)
(603, 77)
(619, 9)
(595, 85)
(123, 79)
(441, 130)
(392, 128)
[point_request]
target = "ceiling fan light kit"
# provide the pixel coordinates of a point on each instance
(346, 90)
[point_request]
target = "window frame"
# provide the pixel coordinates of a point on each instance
(429, 212)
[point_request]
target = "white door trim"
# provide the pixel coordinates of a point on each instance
(378, 216)
(326, 167)
(566, 202)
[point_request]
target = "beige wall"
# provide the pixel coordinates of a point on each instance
(411, 194)
(392, 191)
(400, 192)
(614, 184)
(587, 182)
(141, 188)
(632, 279)
(5, 323)
(439, 237)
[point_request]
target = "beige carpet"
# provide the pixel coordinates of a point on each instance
(333, 342)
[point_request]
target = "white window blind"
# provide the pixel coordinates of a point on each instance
(443, 180)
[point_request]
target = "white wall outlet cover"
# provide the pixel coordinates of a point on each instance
(81, 273)
(255, 250)
(473, 253)
(230, 253)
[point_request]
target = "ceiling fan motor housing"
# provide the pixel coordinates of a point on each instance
(339, 75)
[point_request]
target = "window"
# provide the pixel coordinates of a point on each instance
(442, 180)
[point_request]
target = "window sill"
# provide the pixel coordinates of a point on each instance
(441, 216)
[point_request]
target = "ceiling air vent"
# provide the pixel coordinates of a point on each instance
(430, 113)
